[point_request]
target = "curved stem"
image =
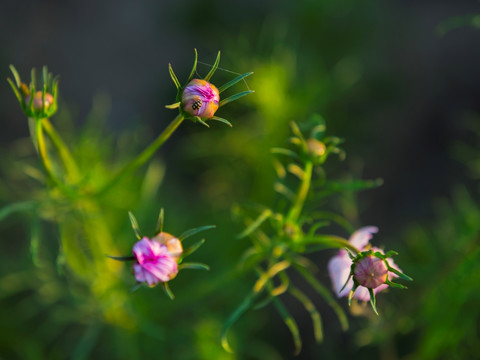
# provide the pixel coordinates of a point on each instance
(145, 155)
(302, 193)
(66, 157)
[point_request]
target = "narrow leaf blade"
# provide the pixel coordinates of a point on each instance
(235, 97)
(214, 67)
(233, 82)
(194, 231)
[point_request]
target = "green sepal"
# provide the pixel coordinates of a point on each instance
(192, 249)
(194, 68)
(122, 258)
(33, 76)
(194, 266)
(168, 291)
(214, 68)
(199, 119)
(173, 76)
(15, 75)
(234, 97)
(173, 106)
(225, 121)
(160, 221)
(400, 274)
(233, 82)
(373, 300)
(395, 285)
(16, 92)
(18, 206)
(135, 226)
(194, 231)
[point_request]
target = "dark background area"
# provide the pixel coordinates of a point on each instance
(396, 79)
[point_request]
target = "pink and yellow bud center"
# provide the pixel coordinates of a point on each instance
(200, 98)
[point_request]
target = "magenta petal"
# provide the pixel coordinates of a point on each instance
(362, 294)
(339, 270)
(362, 236)
(143, 250)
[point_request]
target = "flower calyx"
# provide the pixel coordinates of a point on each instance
(37, 101)
(372, 269)
(198, 100)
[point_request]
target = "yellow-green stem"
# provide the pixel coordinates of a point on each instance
(145, 155)
(65, 156)
(302, 193)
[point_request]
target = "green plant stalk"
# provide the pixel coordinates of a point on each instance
(66, 157)
(42, 151)
(145, 155)
(302, 193)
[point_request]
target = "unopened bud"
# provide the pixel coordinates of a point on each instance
(370, 272)
(37, 100)
(315, 147)
(200, 98)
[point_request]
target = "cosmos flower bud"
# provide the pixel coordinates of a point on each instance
(370, 272)
(200, 98)
(37, 101)
(315, 147)
(154, 262)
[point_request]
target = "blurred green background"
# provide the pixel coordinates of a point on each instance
(399, 80)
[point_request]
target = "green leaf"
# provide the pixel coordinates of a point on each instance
(290, 323)
(235, 97)
(87, 342)
(122, 258)
(282, 151)
(340, 220)
(327, 296)
(225, 121)
(233, 82)
(16, 207)
(15, 75)
(160, 221)
(193, 248)
(173, 76)
(136, 287)
(271, 272)
(194, 231)
(214, 67)
(135, 226)
(330, 241)
(167, 290)
(234, 316)
(256, 224)
(45, 76)
(314, 314)
(194, 265)
(285, 191)
(194, 68)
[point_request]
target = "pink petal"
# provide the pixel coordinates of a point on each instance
(362, 236)
(339, 270)
(143, 250)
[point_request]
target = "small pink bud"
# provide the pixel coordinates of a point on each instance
(37, 100)
(370, 272)
(154, 263)
(200, 98)
(315, 147)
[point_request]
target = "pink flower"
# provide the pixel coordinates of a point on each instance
(340, 265)
(155, 262)
(200, 98)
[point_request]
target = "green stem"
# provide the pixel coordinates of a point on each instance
(65, 155)
(302, 193)
(145, 155)
(42, 151)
